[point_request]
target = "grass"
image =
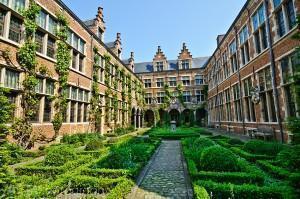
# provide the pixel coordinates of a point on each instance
(181, 132)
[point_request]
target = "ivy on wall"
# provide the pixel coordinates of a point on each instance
(179, 89)
(63, 58)
(129, 97)
(22, 128)
(108, 91)
(96, 107)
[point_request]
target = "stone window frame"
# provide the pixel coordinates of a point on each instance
(249, 106)
(147, 83)
(185, 64)
(172, 81)
(186, 80)
(148, 98)
(159, 66)
(201, 80)
(160, 97)
(233, 56)
(159, 82)
(244, 46)
(237, 102)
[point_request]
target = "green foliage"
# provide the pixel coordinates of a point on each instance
(249, 156)
(81, 139)
(295, 180)
(59, 155)
(94, 145)
(234, 141)
(121, 190)
(262, 147)
(200, 192)
(290, 158)
(180, 132)
(216, 158)
(63, 61)
(275, 171)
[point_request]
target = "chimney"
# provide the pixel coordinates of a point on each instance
(99, 15)
(183, 46)
(158, 49)
(131, 61)
(118, 37)
(132, 55)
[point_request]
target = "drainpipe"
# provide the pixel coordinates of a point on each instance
(240, 81)
(273, 71)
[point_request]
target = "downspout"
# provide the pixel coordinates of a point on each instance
(273, 71)
(240, 82)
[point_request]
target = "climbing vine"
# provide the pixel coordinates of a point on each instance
(63, 58)
(167, 97)
(22, 128)
(108, 91)
(179, 89)
(96, 107)
(129, 97)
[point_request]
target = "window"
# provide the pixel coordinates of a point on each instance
(52, 25)
(237, 102)
(69, 39)
(74, 60)
(172, 81)
(72, 112)
(41, 19)
(15, 29)
(81, 63)
(199, 80)
(81, 46)
(35, 118)
(2, 19)
(18, 5)
(228, 105)
(11, 79)
(47, 110)
(39, 39)
(249, 105)
(280, 22)
(187, 96)
(159, 82)
(39, 88)
(5, 2)
(185, 64)
(49, 87)
(233, 56)
(74, 93)
(75, 41)
(200, 96)
(159, 66)
(291, 16)
(160, 97)
(244, 45)
(266, 96)
(79, 112)
(148, 98)
(50, 47)
(260, 35)
(186, 81)
(225, 66)
(147, 83)
(85, 112)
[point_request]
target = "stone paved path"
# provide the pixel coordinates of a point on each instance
(165, 176)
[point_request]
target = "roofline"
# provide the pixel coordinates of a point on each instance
(61, 3)
(172, 60)
(228, 31)
(177, 70)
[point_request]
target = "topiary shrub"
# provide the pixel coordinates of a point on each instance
(59, 155)
(203, 143)
(235, 141)
(263, 148)
(94, 145)
(216, 158)
(197, 146)
(290, 158)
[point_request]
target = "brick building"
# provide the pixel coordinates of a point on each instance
(161, 79)
(248, 73)
(83, 38)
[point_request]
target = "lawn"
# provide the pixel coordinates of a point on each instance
(86, 165)
(221, 167)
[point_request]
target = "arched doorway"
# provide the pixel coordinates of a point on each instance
(187, 117)
(200, 116)
(164, 117)
(149, 118)
(133, 114)
(174, 115)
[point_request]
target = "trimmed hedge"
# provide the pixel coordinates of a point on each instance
(230, 177)
(121, 190)
(192, 167)
(59, 155)
(248, 156)
(200, 192)
(245, 191)
(275, 171)
(290, 158)
(94, 145)
(263, 148)
(107, 173)
(295, 180)
(176, 136)
(235, 141)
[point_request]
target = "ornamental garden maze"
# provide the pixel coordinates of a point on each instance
(77, 121)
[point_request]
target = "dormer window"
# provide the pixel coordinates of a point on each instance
(185, 64)
(159, 66)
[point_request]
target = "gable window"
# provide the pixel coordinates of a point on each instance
(147, 83)
(2, 19)
(186, 80)
(187, 96)
(185, 64)
(160, 97)
(15, 29)
(244, 45)
(172, 81)
(233, 56)
(159, 82)
(199, 80)
(159, 66)
(39, 39)
(259, 27)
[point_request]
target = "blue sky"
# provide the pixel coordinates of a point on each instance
(145, 24)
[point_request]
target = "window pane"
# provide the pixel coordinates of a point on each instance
(280, 22)
(50, 47)
(74, 60)
(49, 87)
(39, 39)
(52, 26)
(276, 3)
(5, 2)
(47, 110)
(82, 44)
(291, 14)
(15, 29)
(79, 112)
(69, 40)
(73, 109)
(39, 87)
(18, 5)
(41, 19)
(11, 79)
(81, 63)
(75, 41)
(2, 18)
(74, 93)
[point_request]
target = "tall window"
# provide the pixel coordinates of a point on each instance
(249, 105)
(266, 95)
(237, 102)
(41, 19)
(187, 96)
(233, 56)
(47, 109)
(147, 83)
(185, 64)
(259, 27)
(2, 19)
(186, 80)
(200, 96)
(159, 66)
(15, 29)
(81, 63)
(148, 98)
(11, 79)
(244, 45)
(225, 65)
(74, 60)
(160, 97)
(39, 39)
(50, 47)
(172, 81)
(18, 5)
(228, 105)
(288, 65)
(284, 11)
(159, 82)
(52, 25)
(199, 80)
